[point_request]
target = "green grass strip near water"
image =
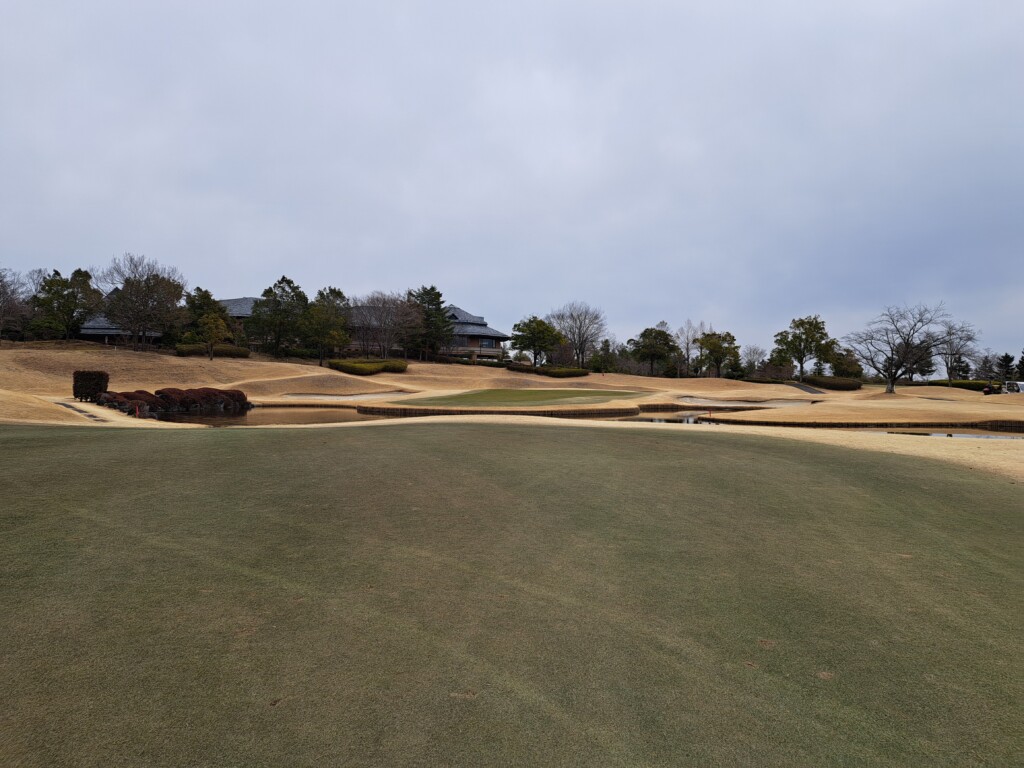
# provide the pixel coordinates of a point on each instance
(505, 398)
(465, 595)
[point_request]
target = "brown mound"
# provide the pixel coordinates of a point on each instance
(330, 383)
(16, 407)
(882, 396)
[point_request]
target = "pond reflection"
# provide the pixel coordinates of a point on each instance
(263, 417)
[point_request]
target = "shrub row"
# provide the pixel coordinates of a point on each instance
(219, 350)
(171, 400)
(89, 385)
(757, 380)
(485, 363)
(833, 382)
(555, 373)
(368, 367)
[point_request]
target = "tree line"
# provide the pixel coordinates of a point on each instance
(148, 300)
(901, 343)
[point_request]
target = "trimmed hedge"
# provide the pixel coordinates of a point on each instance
(555, 373)
(170, 400)
(485, 363)
(833, 382)
(89, 385)
(368, 366)
(219, 350)
(974, 386)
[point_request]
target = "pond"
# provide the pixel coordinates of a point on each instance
(951, 432)
(263, 417)
(680, 417)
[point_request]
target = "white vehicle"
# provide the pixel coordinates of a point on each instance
(1013, 386)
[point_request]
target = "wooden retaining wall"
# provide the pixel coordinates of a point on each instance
(321, 404)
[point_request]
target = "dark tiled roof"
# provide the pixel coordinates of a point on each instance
(100, 325)
(474, 329)
(239, 307)
(459, 315)
(472, 325)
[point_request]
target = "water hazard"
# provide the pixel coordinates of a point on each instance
(268, 416)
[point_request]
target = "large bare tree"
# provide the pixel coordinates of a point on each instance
(688, 338)
(582, 326)
(957, 345)
(143, 296)
(383, 320)
(900, 339)
(751, 357)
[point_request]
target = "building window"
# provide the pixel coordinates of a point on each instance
(487, 343)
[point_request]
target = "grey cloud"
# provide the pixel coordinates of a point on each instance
(735, 163)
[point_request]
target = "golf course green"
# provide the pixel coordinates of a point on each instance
(482, 594)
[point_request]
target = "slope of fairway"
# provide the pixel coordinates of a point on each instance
(498, 595)
(18, 408)
(890, 409)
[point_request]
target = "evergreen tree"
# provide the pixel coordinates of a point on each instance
(604, 360)
(212, 330)
(720, 350)
(845, 364)
(1005, 367)
(959, 369)
(324, 321)
(277, 314)
(985, 369)
(535, 336)
(923, 365)
(64, 303)
(806, 339)
(653, 345)
(438, 329)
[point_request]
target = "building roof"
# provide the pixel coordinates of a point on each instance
(101, 325)
(459, 315)
(239, 307)
(473, 325)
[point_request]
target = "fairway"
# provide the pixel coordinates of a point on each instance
(469, 594)
(522, 397)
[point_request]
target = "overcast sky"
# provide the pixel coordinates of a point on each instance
(741, 163)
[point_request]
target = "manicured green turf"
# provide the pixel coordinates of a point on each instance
(422, 594)
(519, 397)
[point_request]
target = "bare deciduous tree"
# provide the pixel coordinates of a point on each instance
(687, 336)
(900, 339)
(582, 326)
(957, 343)
(143, 296)
(752, 356)
(381, 320)
(13, 298)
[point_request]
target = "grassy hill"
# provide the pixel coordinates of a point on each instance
(484, 594)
